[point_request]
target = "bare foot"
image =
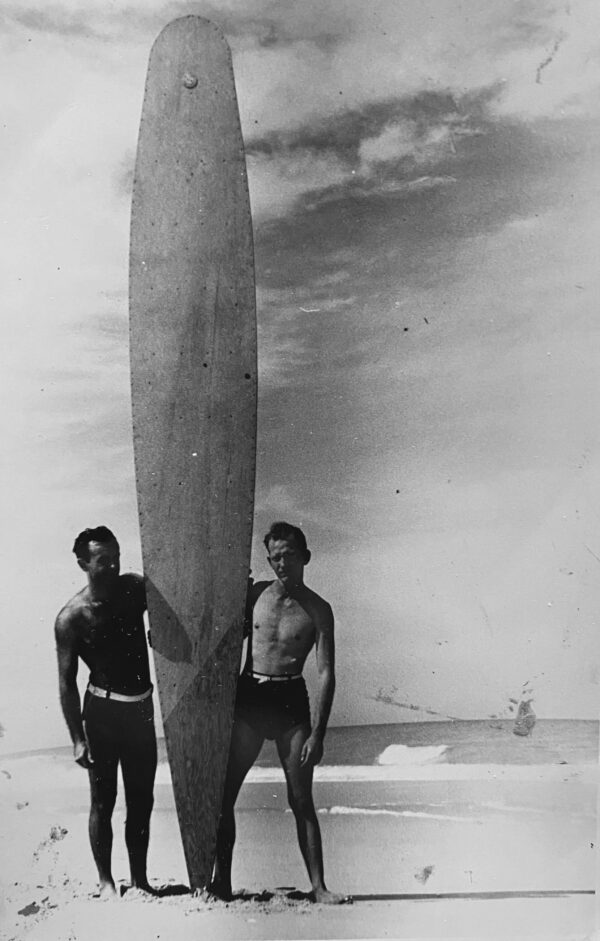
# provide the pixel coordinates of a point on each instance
(108, 890)
(325, 897)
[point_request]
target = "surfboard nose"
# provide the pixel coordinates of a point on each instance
(189, 30)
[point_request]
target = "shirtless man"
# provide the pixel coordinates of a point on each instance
(288, 620)
(104, 625)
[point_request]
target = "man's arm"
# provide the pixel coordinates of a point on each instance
(249, 607)
(67, 685)
(312, 751)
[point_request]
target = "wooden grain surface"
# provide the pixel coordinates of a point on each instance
(193, 367)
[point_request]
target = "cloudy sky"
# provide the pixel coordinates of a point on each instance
(425, 190)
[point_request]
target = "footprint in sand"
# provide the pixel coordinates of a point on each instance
(56, 834)
(424, 874)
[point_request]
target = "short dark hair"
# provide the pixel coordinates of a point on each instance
(281, 530)
(81, 546)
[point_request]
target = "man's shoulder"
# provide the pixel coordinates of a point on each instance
(320, 606)
(70, 614)
(131, 581)
(258, 588)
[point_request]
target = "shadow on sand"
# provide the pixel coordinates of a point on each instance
(472, 896)
(295, 895)
(160, 892)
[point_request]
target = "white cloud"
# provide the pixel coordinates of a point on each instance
(276, 182)
(395, 141)
(407, 139)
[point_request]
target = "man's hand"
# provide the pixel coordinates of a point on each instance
(312, 750)
(81, 754)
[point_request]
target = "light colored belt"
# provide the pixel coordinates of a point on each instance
(276, 678)
(119, 697)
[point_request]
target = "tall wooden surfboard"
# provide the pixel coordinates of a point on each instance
(193, 368)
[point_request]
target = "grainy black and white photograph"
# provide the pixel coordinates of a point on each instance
(300, 469)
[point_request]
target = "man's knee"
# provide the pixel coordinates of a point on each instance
(301, 800)
(139, 805)
(103, 804)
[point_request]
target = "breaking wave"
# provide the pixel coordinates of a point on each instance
(411, 754)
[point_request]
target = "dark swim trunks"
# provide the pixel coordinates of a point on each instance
(272, 708)
(121, 732)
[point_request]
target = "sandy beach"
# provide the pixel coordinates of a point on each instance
(427, 849)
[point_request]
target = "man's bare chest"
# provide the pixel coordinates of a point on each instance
(281, 621)
(100, 628)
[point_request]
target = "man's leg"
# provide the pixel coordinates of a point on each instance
(103, 787)
(299, 787)
(138, 763)
(103, 793)
(246, 743)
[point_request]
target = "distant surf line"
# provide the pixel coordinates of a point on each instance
(36, 771)
(385, 811)
(435, 772)
(474, 896)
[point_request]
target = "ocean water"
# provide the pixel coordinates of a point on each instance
(443, 770)
(472, 741)
(382, 770)
(417, 750)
